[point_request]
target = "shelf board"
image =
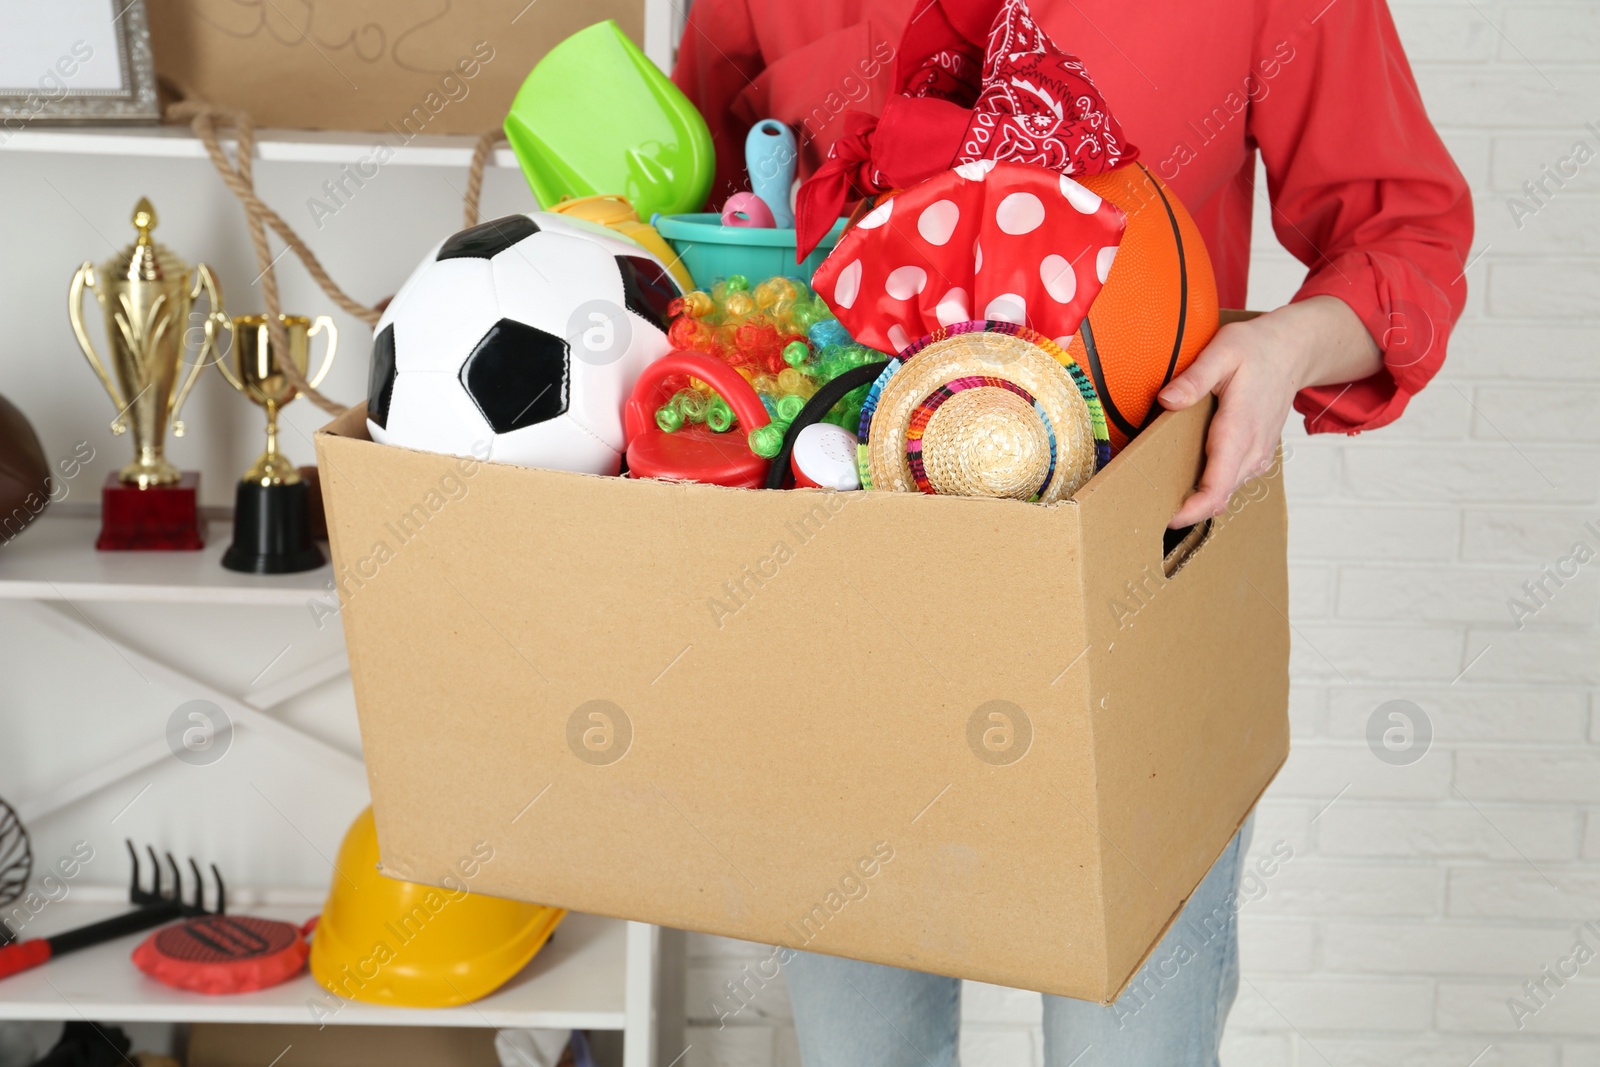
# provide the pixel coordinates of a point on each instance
(575, 982)
(55, 559)
(279, 146)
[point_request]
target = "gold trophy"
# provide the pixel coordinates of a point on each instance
(146, 294)
(272, 512)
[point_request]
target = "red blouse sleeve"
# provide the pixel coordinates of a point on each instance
(1364, 193)
(718, 56)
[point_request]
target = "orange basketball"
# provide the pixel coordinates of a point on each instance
(1158, 308)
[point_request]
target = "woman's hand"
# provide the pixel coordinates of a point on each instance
(1256, 368)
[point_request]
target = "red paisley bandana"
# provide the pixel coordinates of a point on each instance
(1039, 106)
(1016, 98)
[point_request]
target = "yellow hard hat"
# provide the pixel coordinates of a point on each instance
(385, 941)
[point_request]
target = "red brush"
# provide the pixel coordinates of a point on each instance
(220, 954)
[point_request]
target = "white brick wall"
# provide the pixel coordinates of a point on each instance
(1424, 897)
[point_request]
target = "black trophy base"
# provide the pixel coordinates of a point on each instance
(272, 530)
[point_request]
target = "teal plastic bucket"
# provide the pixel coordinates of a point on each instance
(711, 250)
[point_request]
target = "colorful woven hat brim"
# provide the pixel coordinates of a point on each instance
(924, 412)
(1061, 393)
(1080, 378)
(868, 407)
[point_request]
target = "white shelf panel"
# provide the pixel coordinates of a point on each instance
(55, 559)
(575, 982)
(281, 146)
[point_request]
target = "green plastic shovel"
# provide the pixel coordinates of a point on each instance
(596, 117)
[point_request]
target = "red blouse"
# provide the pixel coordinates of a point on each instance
(1363, 191)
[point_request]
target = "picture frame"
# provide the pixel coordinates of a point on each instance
(75, 62)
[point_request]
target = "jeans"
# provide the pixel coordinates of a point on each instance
(853, 1014)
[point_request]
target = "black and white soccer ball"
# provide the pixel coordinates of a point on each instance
(518, 341)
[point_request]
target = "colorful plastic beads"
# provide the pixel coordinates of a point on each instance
(767, 441)
(781, 337)
(719, 416)
(669, 418)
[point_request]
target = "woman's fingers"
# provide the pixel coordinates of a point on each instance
(1225, 472)
(1211, 371)
(1226, 453)
(1244, 366)
(1211, 368)
(1240, 445)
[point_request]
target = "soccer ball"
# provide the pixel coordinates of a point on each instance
(518, 341)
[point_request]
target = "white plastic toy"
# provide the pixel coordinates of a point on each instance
(824, 457)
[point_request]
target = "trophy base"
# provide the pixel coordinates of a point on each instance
(162, 518)
(319, 517)
(272, 530)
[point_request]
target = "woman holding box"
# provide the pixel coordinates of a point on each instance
(1362, 191)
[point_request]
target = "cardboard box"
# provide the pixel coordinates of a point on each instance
(988, 739)
(395, 67)
(261, 1044)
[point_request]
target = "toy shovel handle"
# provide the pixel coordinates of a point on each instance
(770, 156)
(650, 391)
(23, 956)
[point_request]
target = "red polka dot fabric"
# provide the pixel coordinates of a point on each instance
(974, 80)
(1008, 242)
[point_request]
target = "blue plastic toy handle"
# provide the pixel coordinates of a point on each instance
(770, 155)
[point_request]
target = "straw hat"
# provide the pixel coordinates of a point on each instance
(983, 409)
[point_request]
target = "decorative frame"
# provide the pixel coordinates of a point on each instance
(134, 102)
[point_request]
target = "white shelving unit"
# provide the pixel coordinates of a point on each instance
(57, 561)
(577, 981)
(272, 146)
(596, 974)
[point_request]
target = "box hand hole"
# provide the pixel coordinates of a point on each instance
(1178, 545)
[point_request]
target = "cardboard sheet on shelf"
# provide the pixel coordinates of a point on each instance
(254, 1044)
(398, 68)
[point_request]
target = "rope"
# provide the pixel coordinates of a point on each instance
(206, 119)
(488, 141)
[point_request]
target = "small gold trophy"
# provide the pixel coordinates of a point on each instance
(146, 294)
(272, 513)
